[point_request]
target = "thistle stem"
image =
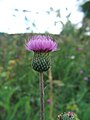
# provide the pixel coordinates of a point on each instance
(41, 97)
(51, 88)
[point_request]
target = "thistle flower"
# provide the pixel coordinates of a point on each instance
(68, 116)
(41, 45)
(49, 101)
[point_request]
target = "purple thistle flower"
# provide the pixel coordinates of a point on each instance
(70, 114)
(67, 116)
(49, 101)
(41, 43)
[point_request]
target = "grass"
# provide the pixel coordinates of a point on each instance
(19, 84)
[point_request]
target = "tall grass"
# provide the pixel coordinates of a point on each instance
(19, 91)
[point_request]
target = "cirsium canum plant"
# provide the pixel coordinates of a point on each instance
(68, 116)
(41, 45)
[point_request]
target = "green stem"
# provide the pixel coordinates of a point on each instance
(51, 96)
(41, 97)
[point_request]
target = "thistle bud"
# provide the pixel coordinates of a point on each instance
(68, 116)
(41, 62)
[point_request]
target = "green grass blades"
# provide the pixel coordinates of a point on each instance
(19, 83)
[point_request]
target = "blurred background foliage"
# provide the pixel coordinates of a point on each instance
(19, 84)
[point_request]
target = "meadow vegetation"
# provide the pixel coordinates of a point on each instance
(19, 83)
